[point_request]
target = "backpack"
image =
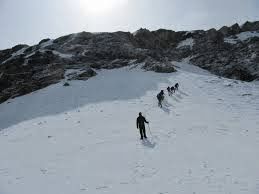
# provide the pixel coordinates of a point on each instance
(158, 96)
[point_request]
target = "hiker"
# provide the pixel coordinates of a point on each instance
(169, 91)
(176, 86)
(141, 125)
(173, 89)
(160, 98)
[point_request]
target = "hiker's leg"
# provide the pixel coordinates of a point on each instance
(141, 135)
(144, 133)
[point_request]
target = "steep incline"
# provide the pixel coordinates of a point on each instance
(83, 138)
(231, 52)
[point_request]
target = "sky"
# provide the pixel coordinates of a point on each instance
(29, 21)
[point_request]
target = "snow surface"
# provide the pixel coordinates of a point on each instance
(188, 42)
(47, 43)
(62, 55)
(83, 138)
(242, 37)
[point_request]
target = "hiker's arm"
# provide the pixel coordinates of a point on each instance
(137, 123)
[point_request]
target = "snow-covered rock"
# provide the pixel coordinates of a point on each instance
(186, 43)
(153, 49)
(243, 36)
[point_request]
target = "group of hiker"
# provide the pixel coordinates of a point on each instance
(141, 120)
(161, 94)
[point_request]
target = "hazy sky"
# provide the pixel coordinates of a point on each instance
(29, 21)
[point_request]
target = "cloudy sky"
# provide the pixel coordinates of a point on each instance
(29, 21)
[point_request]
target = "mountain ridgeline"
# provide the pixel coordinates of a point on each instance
(231, 52)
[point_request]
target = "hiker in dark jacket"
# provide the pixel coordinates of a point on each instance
(160, 98)
(169, 91)
(173, 89)
(176, 86)
(141, 125)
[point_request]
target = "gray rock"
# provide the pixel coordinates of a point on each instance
(230, 31)
(240, 73)
(44, 40)
(235, 29)
(38, 67)
(250, 26)
(85, 75)
(225, 30)
(214, 36)
(157, 66)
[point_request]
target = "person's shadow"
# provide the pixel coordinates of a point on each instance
(166, 106)
(148, 143)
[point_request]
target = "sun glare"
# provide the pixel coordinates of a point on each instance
(99, 7)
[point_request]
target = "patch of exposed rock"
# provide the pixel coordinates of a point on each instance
(82, 75)
(232, 52)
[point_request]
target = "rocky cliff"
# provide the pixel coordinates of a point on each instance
(231, 52)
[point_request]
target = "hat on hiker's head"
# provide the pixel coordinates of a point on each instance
(140, 114)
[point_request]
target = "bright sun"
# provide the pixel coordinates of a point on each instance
(99, 7)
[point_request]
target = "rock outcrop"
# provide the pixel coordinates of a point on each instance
(232, 52)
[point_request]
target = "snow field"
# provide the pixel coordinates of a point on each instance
(83, 138)
(243, 36)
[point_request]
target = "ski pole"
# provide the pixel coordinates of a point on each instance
(150, 131)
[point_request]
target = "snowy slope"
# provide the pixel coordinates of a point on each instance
(83, 138)
(243, 36)
(188, 42)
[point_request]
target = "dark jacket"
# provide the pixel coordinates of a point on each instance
(141, 122)
(160, 96)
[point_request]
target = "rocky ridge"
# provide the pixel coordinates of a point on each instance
(231, 52)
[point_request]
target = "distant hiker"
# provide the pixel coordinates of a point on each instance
(169, 91)
(172, 89)
(141, 125)
(160, 98)
(176, 86)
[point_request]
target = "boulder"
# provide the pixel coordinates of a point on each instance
(85, 75)
(157, 66)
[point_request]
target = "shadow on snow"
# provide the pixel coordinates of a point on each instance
(148, 143)
(109, 85)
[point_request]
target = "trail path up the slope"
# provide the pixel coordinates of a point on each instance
(83, 138)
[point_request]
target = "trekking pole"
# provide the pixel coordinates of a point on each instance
(150, 132)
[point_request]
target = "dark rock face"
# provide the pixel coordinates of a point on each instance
(239, 72)
(85, 75)
(214, 36)
(44, 40)
(229, 31)
(24, 68)
(235, 29)
(157, 66)
(250, 26)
